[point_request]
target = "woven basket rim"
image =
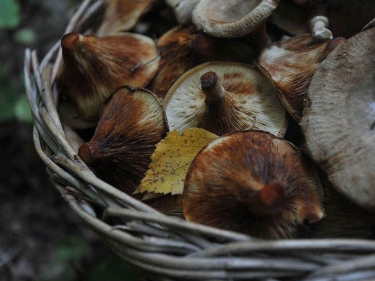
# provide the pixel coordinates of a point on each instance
(164, 247)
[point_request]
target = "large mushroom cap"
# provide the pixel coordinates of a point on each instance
(339, 119)
(132, 123)
(290, 65)
(94, 67)
(224, 97)
(232, 18)
(254, 183)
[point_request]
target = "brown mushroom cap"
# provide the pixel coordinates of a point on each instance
(183, 48)
(94, 67)
(290, 65)
(232, 18)
(254, 183)
(245, 99)
(132, 123)
(339, 119)
(121, 16)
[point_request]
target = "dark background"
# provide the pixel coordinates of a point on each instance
(40, 237)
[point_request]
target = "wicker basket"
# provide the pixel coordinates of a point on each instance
(165, 248)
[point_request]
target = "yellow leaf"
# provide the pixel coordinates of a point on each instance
(171, 161)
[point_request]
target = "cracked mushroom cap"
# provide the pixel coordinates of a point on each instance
(339, 118)
(132, 123)
(232, 18)
(290, 65)
(95, 67)
(224, 97)
(183, 48)
(121, 16)
(254, 183)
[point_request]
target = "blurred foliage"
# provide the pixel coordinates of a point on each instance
(9, 14)
(113, 269)
(25, 36)
(12, 105)
(64, 265)
(68, 264)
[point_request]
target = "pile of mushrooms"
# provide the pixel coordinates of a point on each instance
(288, 89)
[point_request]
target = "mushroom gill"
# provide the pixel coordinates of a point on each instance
(224, 97)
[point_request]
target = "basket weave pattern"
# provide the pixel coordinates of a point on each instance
(167, 248)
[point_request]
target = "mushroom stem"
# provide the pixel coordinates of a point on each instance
(211, 86)
(270, 200)
(319, 30)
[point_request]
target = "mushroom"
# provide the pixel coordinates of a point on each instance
(224, 97)
(69, 115)
(338, 119)
(94, 67)
(290, 65)
(183, 48)
(254, 183)
(132, 123)
(232, 18)
(121, 16)
(346, 18)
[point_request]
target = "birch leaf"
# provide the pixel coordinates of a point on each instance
(171, 161)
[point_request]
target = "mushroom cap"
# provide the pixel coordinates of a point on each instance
(255, 183)
(290, 65)
(183, 48)
(250, 101)
(94, 67)
(338, 119)
(132, 123)
(121, 16)
(232, 18)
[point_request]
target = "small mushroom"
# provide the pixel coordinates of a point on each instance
(183, 48)
(94, 67)
(132, 123)
(346, 18)
(319, 30)
(121, 16)
(290, 65)
(232, 18)
(338, 121)
(224, 97)
(254, 183)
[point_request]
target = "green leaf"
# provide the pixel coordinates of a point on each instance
(9, 14)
